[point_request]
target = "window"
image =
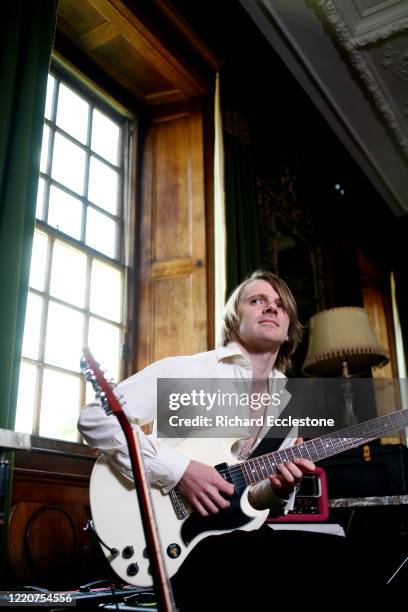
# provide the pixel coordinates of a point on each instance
(77, 278)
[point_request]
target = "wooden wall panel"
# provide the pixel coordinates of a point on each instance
(172, 318)
(169, 296)
(47, 544)
(172, 198)
(376, 301)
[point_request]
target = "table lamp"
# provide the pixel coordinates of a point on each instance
(342, 343)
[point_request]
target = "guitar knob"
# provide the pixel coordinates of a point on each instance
(132, 569)
(173, 551)
(128, 552)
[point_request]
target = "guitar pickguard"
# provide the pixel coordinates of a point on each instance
(231, 518)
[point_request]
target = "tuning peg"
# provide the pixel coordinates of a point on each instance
(106, 405)
(89, 375)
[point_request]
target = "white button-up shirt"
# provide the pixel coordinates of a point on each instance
(164, 464)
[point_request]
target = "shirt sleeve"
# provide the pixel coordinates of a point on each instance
(164, 466)
(262, 497)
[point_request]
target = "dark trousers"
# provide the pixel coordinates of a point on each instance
(256, 570)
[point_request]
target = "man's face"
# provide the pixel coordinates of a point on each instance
(264, 323)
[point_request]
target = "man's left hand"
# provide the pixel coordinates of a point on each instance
(291, 473)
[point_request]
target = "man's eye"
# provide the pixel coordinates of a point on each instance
(255, 300)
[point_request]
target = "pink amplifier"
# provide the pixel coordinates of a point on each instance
(311, 502)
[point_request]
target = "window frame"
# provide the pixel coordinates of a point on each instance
(124, 247)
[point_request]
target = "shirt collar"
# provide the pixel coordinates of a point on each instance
(232, 350)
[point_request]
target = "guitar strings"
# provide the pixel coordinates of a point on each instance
(238, 469)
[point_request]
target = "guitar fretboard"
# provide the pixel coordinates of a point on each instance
(259, 468)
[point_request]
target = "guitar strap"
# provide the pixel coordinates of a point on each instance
(270, 442)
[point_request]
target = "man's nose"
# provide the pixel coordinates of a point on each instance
(270, 308)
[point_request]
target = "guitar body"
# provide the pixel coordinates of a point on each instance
(117, 519)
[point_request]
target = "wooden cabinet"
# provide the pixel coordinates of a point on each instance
(47, 544)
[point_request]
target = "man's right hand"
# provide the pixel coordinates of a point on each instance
(201, 486)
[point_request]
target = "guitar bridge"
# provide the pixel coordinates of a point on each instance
(179, 504)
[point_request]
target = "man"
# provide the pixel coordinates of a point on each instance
(260, 328)
(260, 334)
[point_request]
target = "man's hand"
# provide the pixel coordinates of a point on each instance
(291, 473)
(201, 486)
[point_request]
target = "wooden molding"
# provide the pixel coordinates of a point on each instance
(172, 268)
(188, 33)
(127, 49)
(99, 36)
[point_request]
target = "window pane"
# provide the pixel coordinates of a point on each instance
(65, 212)
(68, 164)
(40, 199)
(50, 94)
(105, 137)
(26, 398)
(68, 274)
(103, 186)
(72, 113)
(104, 342)
(75, 297)
(44, 148)
(64, 337)
(60, 405)
(101, 232)
(38, 260)
(32, 326)
(106, 291)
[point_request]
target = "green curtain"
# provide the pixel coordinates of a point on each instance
(241, 211)
(26, 43)
(25, 50)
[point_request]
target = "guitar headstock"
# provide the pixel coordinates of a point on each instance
(92, 371)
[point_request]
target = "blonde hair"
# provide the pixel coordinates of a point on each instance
(231, 319)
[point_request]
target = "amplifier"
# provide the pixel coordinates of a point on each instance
(369, 471)
(311, 501)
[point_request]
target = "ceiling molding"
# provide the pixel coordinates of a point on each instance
(361, 90)
(357, 60)
(381, 33)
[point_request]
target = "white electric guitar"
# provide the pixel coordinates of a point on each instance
(117, 518)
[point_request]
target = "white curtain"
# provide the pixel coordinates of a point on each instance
(219, 215)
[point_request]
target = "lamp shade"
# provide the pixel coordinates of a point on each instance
(339, 334)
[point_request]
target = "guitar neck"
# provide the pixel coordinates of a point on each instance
(259, 468)
(111, 404)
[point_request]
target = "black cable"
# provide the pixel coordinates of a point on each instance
(90, 527)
